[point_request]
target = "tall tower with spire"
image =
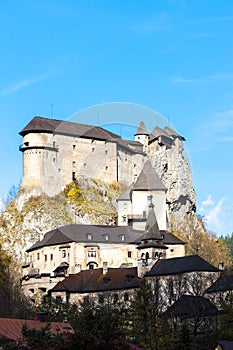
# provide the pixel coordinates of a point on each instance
(151, 247)
(142, 136)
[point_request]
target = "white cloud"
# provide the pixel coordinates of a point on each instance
(217, 215)
(22, 84)
(2, 205)
(207, 202)
(202, 80)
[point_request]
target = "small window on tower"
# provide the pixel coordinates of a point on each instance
(73, 176)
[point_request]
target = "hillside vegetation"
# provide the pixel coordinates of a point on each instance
(87, 202)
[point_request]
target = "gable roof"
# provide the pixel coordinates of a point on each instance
(11, 328)
(79, 233)
(224, 283)
(156, 132)
(141, 129)
(40, 124)
(87, 281)
(173, 133)
(174, 266)
(148, 179)
(88, 234)
(189, 306)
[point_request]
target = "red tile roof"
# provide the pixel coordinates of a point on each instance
(11, 328)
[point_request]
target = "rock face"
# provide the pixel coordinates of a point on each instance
(27, 218)
(91, 200)
(174, 171)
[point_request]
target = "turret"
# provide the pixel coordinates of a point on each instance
(142, 136)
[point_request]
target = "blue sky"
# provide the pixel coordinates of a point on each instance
(175, 57)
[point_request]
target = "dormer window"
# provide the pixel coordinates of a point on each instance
(122, 237)
(106, 237)
(89, 236)
(106, 280)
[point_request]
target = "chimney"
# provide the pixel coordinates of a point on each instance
(105, 267)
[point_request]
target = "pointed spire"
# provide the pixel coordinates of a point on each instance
(152, 228)
(141, 129)
(148, 179)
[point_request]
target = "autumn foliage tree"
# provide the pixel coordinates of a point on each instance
(199, 241)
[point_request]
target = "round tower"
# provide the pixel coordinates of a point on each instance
(142, 136)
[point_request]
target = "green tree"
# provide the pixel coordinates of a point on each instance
(228, 241)
(144, 324)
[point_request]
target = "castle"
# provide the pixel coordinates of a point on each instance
(57, 152)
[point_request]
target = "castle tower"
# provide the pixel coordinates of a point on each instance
(142, 136)
(151, 247)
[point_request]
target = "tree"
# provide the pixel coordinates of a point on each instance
(144, 324)
(200, 241)
(228, 241)
(95, 325)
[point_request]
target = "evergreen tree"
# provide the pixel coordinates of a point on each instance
(144, 324)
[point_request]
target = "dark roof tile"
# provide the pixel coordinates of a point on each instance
(224, 283)
(189, 306)
(148, 179)
(39, 124)
(96, 281)
(180, 265)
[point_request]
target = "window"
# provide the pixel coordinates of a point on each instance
(122, 237)
(73, 176)
(26, 144)
(85, 164)
(54, 144)
(106, 151)
(115, 298)
(45, 257)
(63, 253)
(171, 250)
(38, 256)
(74, 146)
(89, 236)
(124, 218)
(86, 300)
(54, 160)
(126, 297)
(91, 267)
(129, 254)
(91, 254)
(74, 164)
(101, 299)
(51, 257)
(106, 168)
(58, 299)
(92, 150)
(106, 237)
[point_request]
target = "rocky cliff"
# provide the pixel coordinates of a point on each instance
(27, 218)
(174, 171)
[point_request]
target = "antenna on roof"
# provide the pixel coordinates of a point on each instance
(51, 110)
